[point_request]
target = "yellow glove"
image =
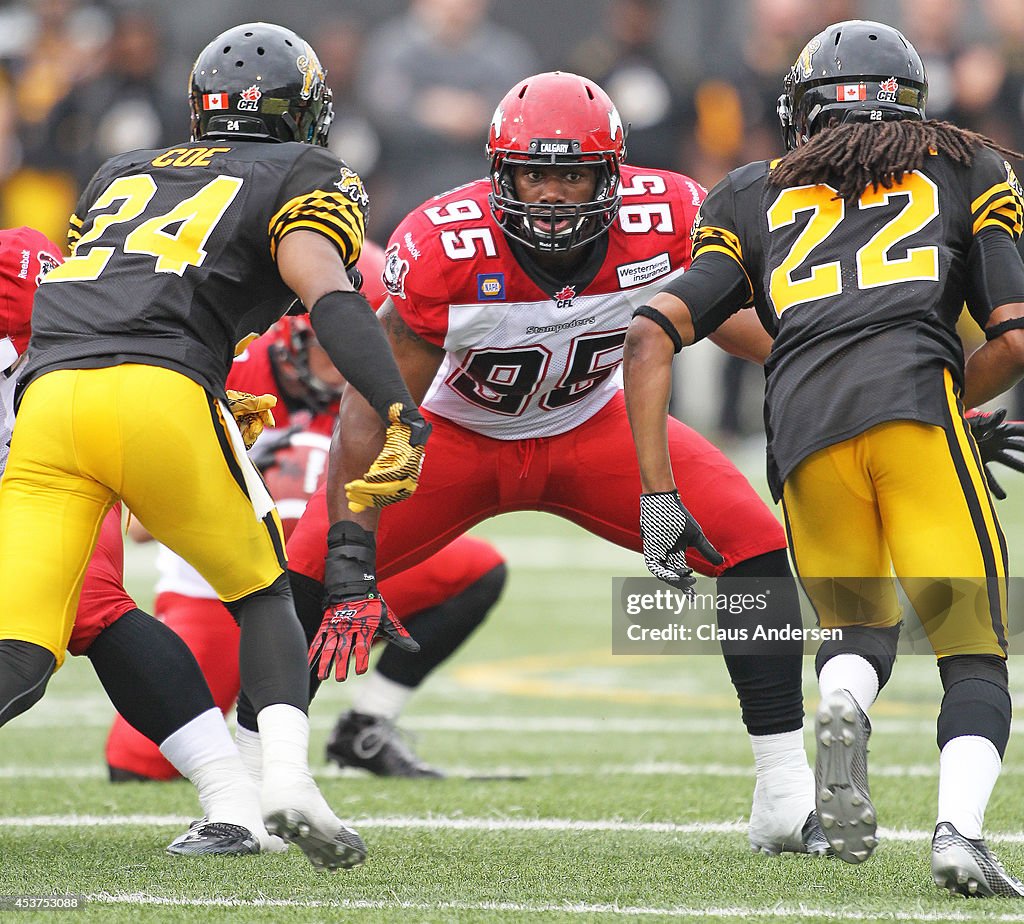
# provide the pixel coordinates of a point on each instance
(251, 413)
(396, 471)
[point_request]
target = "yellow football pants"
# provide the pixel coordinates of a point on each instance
(907, 498)
(151, 437)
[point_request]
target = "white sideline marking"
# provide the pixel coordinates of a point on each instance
(777, 911)
(448, 823)
(95, 712)
(643, 768)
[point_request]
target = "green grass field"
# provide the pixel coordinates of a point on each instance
(634, 782)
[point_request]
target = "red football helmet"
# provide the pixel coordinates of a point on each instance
(289, 354)
(294, 338)
(297, 467)
(562, 119)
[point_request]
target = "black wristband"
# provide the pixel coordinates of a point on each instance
(997, 330)
(350, 565)
(349, 331)
(652, 314)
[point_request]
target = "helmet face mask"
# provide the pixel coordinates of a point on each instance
(855, 71)
(290, 358)
(555, 120)
(260, 82)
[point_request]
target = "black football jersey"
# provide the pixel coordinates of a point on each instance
(862, 298)
(173, 254)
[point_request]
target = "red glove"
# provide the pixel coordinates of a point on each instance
(350, 628)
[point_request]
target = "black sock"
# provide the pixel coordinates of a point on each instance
(150, 675)
(769, 685)
(25, 669)
(272, 652)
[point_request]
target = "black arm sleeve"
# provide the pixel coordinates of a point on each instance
(714, 288)
(349, 331)
(996, 274)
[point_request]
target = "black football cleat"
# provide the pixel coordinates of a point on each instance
(214, 838)
(372, 743)
(842, 797)
(967, 867)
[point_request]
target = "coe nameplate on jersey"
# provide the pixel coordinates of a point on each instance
(490, 286)
(643, 271)
(187, 157)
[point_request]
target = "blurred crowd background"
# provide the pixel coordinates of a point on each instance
(416, 81)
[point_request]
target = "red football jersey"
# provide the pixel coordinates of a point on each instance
(529, 355)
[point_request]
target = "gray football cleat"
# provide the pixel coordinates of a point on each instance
(214, 838)
(330, 847)
(967, 867)
(842, 797)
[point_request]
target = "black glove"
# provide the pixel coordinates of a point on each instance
(355, 276)
(668, 530)
(997, 438)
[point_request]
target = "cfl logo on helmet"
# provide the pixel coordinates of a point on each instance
(250, 99)
(887, 90)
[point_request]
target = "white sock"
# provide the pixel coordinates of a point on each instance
(287, 780)
(250, 749)
(852, 673)
(785, 750)
(203, 752)
(206, 738)
(968, 769)
(379, 696)
(284, 734)
(780, 764)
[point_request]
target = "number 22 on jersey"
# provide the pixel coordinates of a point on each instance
(875, 261)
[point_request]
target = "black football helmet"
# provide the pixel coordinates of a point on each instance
(854, 71)
(261, 82)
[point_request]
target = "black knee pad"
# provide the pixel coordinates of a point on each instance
(25, 670)
(976, 700)
(279, 588)
(875, 645)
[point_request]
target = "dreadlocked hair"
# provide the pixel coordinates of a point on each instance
(852, 155)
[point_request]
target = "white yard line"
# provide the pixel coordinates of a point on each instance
(94, 712)
(448, 823)
(583, 908)
(643, 768)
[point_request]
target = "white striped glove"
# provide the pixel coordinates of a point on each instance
(668, 530)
